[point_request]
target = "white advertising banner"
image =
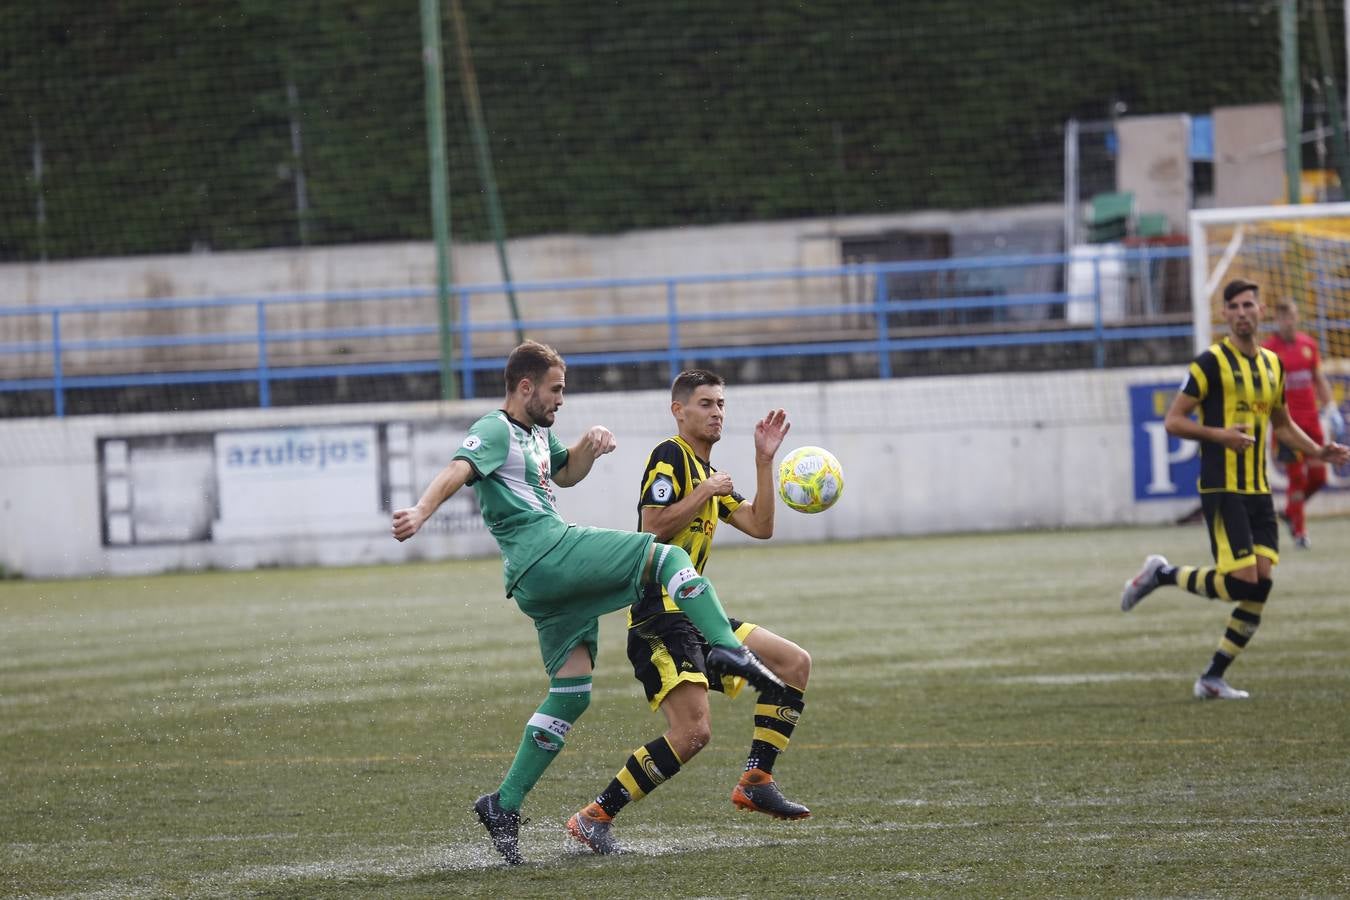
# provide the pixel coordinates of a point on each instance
(298, 481)
(308, 486)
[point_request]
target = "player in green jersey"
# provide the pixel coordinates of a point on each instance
(562, 576)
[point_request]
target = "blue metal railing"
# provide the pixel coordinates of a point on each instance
(883, 315)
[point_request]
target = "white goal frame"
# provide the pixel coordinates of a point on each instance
(1203, 282)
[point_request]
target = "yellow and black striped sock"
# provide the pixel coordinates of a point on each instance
(774, 722)
(1205, 581)
(650, 765)
(1242, 624)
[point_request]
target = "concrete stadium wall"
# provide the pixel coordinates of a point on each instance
(291, 487)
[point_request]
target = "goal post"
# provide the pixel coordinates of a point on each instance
(1301, 252)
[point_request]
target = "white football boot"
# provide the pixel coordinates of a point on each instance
(1211, 687)
(1143, 584)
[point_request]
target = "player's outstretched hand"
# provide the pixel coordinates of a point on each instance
(769, 433)
(407, 522)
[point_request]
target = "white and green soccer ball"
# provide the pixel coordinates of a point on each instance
(810, 479)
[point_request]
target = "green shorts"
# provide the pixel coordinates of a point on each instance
(590, 572)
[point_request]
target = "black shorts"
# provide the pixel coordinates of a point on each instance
(1241, 528)
(667, 649)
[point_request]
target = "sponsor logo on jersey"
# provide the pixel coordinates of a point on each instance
(472, 442)
(702, 526)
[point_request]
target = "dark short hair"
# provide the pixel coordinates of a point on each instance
(1286, 304)
(531, 360)
(1239, 286)
(690, 380)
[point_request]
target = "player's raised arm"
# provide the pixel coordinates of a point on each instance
(408, 521)
(596, 442)
(756, 517)
(668, 521)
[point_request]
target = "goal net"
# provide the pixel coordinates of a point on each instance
(1297, 252)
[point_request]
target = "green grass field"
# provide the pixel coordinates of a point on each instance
(982, 721)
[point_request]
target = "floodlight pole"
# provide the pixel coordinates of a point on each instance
(440, 190)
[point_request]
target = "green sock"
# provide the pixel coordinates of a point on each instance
(693, 594)
(545, 734)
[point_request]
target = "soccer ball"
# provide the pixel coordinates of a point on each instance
(810, 479)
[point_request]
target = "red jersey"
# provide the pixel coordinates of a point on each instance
(1300, 360)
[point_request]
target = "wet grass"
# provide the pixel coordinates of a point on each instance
(982, 720)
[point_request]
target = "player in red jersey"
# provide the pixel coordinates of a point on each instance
(1306, 390)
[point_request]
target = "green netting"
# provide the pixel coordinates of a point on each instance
(154, 126)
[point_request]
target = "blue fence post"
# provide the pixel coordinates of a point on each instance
(883, 326)
(673, 324)
(465, 347)
(58, 379)
(264, 388)
(1099, 347)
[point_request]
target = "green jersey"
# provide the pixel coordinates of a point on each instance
(511, 467)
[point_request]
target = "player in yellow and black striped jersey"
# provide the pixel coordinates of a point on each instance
(682, 500)
(1234, 390)
(674, 471)
(1237, 389)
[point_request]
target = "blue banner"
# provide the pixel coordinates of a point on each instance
(1164, 467)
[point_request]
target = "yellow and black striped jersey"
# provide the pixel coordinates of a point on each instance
(673, 470)
(1234, 389)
